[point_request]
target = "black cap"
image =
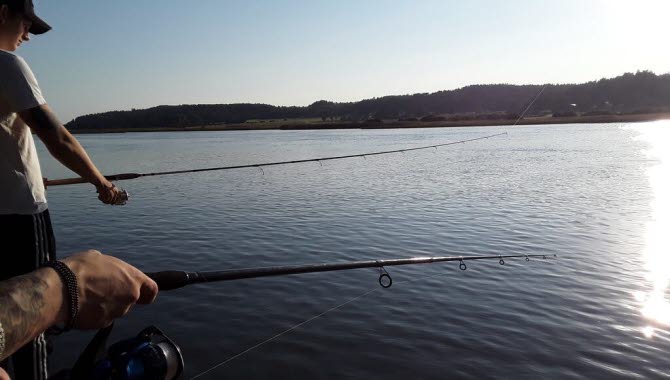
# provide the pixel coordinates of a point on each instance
(28, 9)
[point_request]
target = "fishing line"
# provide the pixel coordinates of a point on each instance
(218, 365)
(128, 176)
(298, 325)
(282, 333)
(530, 105)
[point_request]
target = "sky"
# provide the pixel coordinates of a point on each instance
(123, 54)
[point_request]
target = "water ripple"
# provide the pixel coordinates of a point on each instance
(579, 191)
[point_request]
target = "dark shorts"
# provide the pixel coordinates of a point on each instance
(27, 242)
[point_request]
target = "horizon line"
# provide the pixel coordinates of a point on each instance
(378, 97)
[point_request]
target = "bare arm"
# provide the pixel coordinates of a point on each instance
(29, 305)
(108, 288)
(66, 149)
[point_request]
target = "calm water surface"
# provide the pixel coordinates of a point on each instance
(596, 195)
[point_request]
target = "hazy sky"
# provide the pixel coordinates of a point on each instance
(122, 54)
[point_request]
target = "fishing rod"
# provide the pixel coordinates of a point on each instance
(128, 176)
(170, 280)
(153, 355)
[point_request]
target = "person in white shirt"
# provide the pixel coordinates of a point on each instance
(25, 227)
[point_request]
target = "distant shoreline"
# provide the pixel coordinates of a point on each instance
(282, 125)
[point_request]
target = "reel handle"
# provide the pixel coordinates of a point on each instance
(122, 199)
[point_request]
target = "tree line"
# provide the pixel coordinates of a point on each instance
(640, 92)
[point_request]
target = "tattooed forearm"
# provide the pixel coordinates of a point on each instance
(23, 309)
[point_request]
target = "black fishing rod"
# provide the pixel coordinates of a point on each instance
(153, 355)
(169, 280)
(127, 176)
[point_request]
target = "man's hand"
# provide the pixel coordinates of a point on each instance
(108, 288)
(108, 193)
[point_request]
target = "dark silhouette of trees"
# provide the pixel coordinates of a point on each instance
(638, 92)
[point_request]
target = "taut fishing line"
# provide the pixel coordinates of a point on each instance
(462, 265)
(127, 176)
(284, 332)
(152, 353)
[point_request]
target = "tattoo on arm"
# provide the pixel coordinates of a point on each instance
(22, 304)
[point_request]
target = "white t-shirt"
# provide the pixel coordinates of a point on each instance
(21, 186)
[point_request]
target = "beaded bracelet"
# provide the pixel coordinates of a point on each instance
(2, 340)
(70, 282)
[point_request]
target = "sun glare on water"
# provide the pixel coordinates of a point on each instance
(655, 305)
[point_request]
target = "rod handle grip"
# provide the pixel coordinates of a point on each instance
(65, 181)
(73, 181)
(170, 279)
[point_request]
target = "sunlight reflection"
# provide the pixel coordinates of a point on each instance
(655, 306)
(648, 331)
(639, 296)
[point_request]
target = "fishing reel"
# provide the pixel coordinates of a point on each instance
(123, 198)
(150, 355)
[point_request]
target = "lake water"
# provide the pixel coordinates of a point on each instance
(595, 195)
